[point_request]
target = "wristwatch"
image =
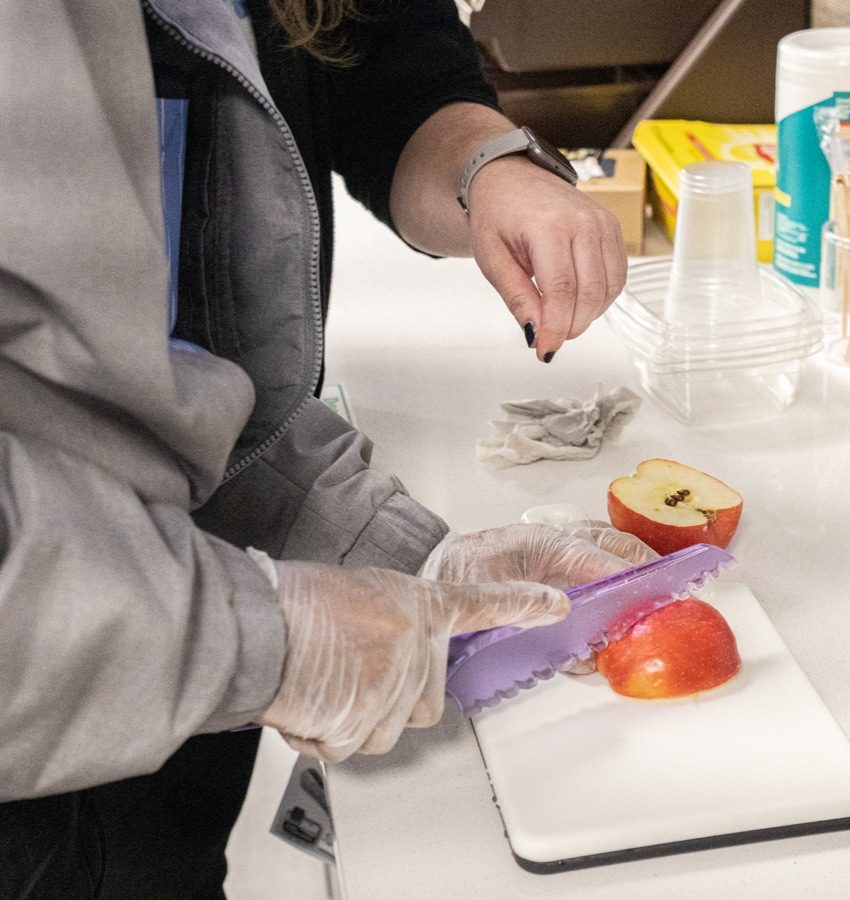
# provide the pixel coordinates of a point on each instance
(523, 140)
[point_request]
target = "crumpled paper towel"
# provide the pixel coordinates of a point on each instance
(568, 428)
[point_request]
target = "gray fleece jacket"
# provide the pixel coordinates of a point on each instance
(125, 628)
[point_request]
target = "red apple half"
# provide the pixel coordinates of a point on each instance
(670, 506)
(680, 649)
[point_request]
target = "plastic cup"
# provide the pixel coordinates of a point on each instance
(714, 274)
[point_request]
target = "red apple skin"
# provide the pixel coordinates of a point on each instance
(668, 538)
(718, 528)
(682, 649)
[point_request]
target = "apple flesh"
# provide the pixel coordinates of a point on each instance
(670, 506)
(678, 650)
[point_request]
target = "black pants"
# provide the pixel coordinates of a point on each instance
(156, 837)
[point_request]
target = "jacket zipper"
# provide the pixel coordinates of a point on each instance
(315, 290)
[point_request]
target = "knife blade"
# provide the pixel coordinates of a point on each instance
(486, 667)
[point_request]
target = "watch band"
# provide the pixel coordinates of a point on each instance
(523, 140)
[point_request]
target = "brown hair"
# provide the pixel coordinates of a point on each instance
(311, 25)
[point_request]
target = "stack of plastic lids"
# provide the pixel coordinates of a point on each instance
(714, 337)
(723, 372)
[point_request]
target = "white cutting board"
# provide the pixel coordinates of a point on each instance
(584, 776)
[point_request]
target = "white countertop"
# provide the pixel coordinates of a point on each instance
(426, 354)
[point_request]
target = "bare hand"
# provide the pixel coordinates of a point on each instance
(555, 256)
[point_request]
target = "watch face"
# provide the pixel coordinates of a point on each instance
(544, 154)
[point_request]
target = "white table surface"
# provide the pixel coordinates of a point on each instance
(426, 354)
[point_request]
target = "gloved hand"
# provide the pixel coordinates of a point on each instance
(367, 650)
(562, 556)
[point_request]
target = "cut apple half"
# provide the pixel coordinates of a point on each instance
(682, 649)
(670, 506)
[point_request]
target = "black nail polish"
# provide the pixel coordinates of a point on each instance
(548, 357)
(528, 328)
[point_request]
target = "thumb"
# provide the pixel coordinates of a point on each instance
(476, 607)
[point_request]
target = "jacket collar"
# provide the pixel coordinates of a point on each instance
(210, 26)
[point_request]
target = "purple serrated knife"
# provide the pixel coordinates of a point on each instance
(486, 667)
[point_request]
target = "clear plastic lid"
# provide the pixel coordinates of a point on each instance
(785, 325)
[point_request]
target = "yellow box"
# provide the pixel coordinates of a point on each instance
(622, 192)
(668, 145)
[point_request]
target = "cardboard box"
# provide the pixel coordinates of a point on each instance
(668, 145)
(622, 191)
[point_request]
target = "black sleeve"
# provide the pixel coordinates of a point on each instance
(413, 57)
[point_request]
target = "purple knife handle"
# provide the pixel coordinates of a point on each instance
(488, 666)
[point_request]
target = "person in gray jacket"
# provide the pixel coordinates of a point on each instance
(191, 541)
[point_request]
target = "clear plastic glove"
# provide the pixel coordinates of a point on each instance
(367, 650)
(562, 556)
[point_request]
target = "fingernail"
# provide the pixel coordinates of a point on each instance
(548, 357)
(528, 328)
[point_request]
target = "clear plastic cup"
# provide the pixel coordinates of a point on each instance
(714, 275)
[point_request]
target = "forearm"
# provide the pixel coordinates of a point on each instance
(423, 199)
(554, 255)
(314, 496)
